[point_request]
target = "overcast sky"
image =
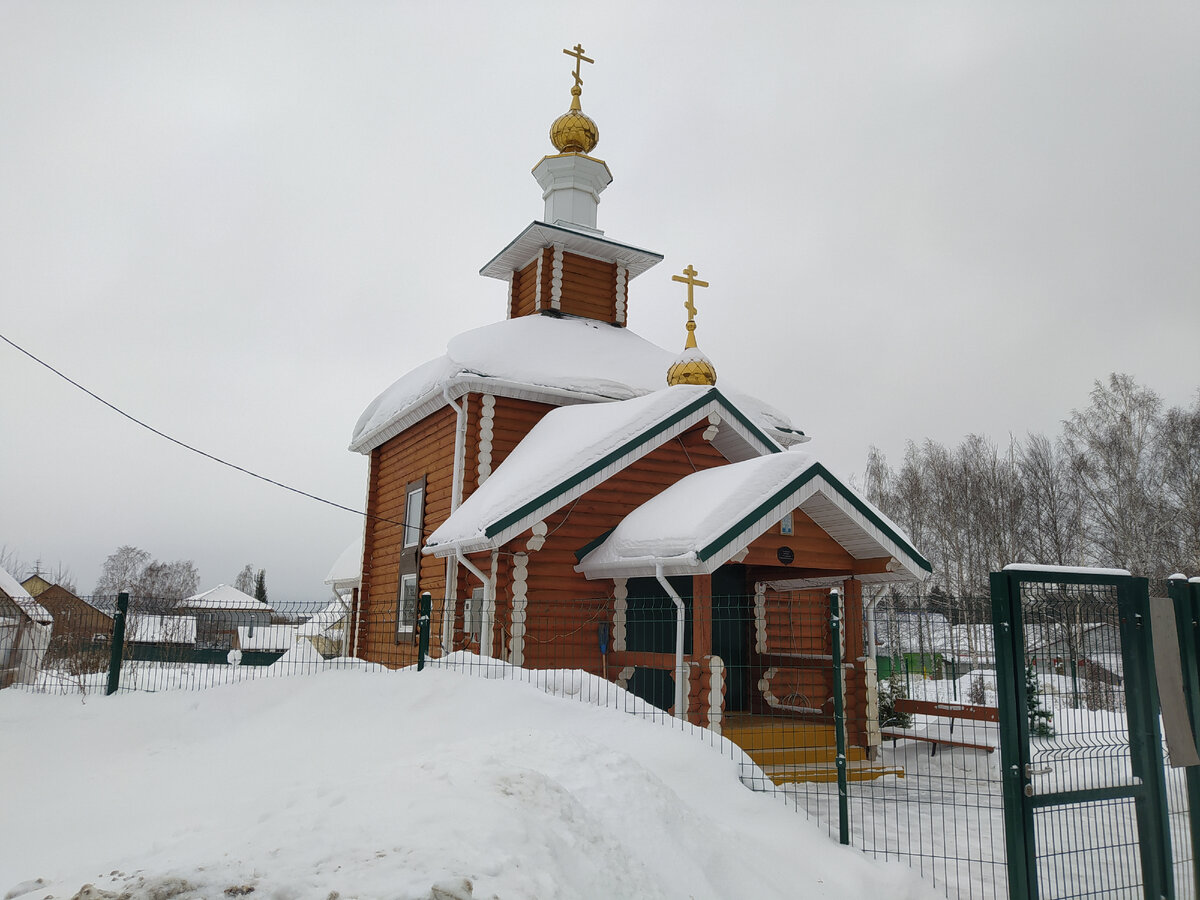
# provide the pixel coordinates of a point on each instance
(242, 221)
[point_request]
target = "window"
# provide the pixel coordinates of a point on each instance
(409, 567)
(406, 604)
(413, 504)
(785, 524)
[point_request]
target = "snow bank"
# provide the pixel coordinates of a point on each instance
(364, 785)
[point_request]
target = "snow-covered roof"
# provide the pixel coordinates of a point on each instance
(12, 589)
(147, 629)
(706, 518)
(544, 358)
(266, 637)
(529, 243)
(347, 571)
(222, 597)
(574, 448)
(331, 615)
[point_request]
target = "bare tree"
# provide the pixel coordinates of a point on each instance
(1120, 474)
(122, 571)
(153, 586)
(245, 580)
(1054, 506)
(1179, 440)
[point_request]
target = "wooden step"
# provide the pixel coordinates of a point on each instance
(802, 756)
(767, 735)
(859, 770)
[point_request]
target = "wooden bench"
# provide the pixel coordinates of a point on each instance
(951, 711)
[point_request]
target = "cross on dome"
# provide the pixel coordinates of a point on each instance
(691, 366)
(574, 132)
(579, 57)
(689, 278)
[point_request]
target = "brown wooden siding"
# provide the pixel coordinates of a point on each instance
(524, 292)
(425, 449)
(511, 421)
(589, 288)
(811, 546)
(565, 608)
(797, 622)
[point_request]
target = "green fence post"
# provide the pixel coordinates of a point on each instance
(424, 608)
(839, 716)
(118, 644)
(1145, 740)
(1014, 724)
(1185, 598)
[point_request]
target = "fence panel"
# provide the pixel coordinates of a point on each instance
(918, 693)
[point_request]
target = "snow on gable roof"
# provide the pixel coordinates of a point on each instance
(322, 621)
(706, 518)
(574, 448)
(558, 360)
(29, 607)
(347, 571)
(222, 597)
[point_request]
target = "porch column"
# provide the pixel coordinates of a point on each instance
(702, 605)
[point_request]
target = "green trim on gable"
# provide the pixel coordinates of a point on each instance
(813, 471)
(593, 544)
(630, 446)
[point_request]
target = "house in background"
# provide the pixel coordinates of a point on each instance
(80, 629)
(25, 629)
(220, 612)
(328, 631)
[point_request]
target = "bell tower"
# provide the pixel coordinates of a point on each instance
(564, 265)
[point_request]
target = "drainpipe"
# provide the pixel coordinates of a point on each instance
(489, 604)
(460, 451)
(680, 671)
(870, 611)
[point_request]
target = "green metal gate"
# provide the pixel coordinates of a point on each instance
(1084, 790)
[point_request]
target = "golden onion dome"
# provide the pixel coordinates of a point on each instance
(691, 366)
(574, 132)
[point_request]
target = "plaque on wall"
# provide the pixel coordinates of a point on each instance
(785, 555)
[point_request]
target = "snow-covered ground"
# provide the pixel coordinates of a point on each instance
(356, 783)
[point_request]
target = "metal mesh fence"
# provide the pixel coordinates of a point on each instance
(918, 778)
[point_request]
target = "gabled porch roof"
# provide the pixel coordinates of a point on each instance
(574, 448)
(704, 520)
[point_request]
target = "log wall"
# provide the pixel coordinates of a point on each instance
(523, 300)
(425, 449)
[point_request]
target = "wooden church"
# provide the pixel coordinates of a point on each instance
(575, 497)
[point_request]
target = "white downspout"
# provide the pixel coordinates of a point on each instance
(680, 671)
(871, 627)
(460, 451)
(489, 604)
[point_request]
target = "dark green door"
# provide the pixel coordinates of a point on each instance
(731, 614)
(650, 628)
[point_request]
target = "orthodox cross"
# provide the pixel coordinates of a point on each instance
(579, 58)
(692, 282)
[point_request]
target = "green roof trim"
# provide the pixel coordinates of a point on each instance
(816, 470)
(713, 395)
(593, 544)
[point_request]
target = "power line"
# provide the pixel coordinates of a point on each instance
(187, 446)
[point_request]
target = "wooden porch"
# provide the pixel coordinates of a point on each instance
(792, 750)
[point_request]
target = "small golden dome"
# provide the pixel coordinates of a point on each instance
(691, 366)
(574, 132)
